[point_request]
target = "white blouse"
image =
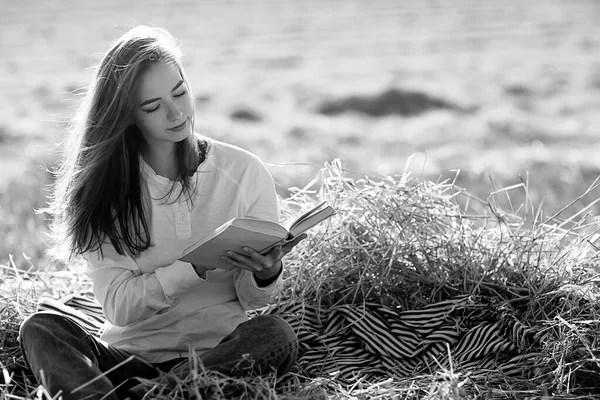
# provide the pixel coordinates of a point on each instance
(157, 306)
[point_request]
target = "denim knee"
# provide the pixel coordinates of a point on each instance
(276, 327)
(37, 328)
(60, 354)
(42, 322)
(281, 334)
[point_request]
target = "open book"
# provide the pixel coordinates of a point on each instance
(257, 234)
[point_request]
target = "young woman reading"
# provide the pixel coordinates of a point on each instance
(135, 187)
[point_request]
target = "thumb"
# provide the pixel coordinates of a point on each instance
(299, 238)
(291, 244)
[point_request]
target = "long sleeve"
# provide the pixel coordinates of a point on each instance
(266, 207)
(252, 296)
(127, 295)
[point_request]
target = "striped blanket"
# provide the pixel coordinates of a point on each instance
(373, 342)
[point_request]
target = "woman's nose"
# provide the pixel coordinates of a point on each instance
(174, 113)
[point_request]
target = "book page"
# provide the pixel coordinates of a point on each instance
(311, 218)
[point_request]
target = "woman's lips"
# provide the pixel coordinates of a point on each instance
(179, 127)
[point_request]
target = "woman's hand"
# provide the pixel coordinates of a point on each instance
(265, 266)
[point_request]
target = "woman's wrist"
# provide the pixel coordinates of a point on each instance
(264, 280)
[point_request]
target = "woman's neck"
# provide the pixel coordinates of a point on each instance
(162, 161)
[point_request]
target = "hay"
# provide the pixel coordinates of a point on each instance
(406, 243)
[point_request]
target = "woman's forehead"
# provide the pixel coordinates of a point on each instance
(159, 79)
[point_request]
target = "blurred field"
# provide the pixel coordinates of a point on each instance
(506, 91)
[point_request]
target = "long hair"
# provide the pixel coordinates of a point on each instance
(99, 194)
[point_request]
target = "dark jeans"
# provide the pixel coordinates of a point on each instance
(65, 357)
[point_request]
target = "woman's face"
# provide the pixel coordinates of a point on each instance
(164, 107)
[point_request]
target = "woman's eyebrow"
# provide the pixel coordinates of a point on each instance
(158, 98)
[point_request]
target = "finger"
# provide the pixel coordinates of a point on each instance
(290, 245)
(241, 261)
(253, 254)
(267, 262)
(261, 264)
(277, 254)
(235, 263)
(271, 259)
(299, 238)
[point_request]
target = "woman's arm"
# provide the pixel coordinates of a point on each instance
(257, 275)
(127, 295)
(265, 206)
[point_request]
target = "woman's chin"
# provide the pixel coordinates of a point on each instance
(182, 134)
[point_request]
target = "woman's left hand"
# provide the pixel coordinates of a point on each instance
(265, 266)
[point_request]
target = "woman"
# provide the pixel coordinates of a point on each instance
(136, 186)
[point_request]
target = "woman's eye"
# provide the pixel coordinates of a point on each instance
(180, 94)
(152, 110)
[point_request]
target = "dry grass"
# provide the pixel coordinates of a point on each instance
(404, 242)
(20, 229)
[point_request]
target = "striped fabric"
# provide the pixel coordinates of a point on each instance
(374, 342)
(82, 309)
